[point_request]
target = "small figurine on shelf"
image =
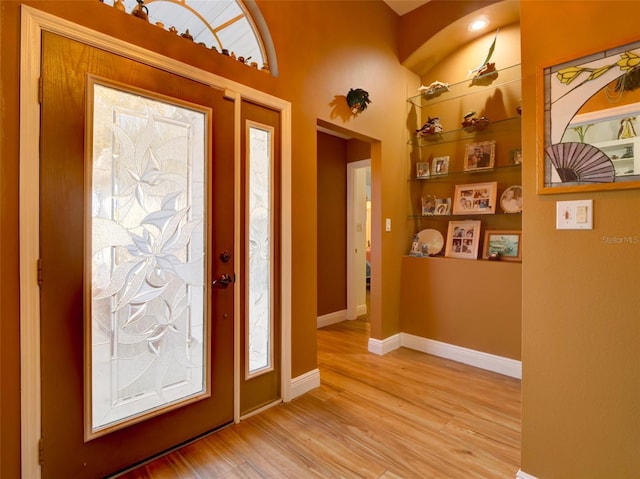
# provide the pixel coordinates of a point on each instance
(470, 122)
(627, 129)
(141, 11)
(486, 72)
(415, 247)
(435, 89)
(431, 127)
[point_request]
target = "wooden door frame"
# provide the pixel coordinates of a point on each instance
(33, 23)
(353, 308)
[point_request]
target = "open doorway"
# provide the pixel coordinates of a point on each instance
(358, 237)
(343, 172)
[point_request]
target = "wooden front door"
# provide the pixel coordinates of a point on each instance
(136, 233)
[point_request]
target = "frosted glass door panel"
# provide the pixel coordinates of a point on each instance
(147, 322)
(259, 274)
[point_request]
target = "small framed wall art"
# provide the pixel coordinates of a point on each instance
(428, 205)
(476, 198)
(443, 206)
(463, 239)
(440, 166)
(505, 245)
(422, 169)
(516, 157)
(480, 156)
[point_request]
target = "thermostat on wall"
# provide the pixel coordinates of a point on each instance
(574, 215)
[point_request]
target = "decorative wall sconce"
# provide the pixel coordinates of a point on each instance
(357, 100)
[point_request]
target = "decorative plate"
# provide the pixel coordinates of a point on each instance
(432, 240)
(511, 199)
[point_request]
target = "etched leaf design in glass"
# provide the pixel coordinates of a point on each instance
(259, 255)
(148, 245)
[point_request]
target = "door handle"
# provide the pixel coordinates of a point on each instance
(222, 281)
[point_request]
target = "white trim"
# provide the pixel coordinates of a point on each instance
(305, 383)
(523, 475)
(608, 114)
(355, 283)
(237, 247)
(478, 359)
(30, 393)
(286, 249)
(384, 346)
(33, 23)
(361, 310)
(332, 318)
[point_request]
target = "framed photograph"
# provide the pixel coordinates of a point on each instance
(502, 244)
(585, 121)
(463, 239)
(428, 205)
(511, 199)
(516, 157)
(443, 206)
(475, 199)
(440, 166)
(480, 156)
(422, 169)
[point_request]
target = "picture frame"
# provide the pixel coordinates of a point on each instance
(505, 245)
(443, 206)
(428, 205)
(511, 199)
(515, 158)
(422, 169)
(463, 239)
(480, 156)
(475, 198)
(440, 166)
(581, 98)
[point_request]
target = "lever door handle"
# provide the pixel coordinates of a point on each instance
(222, 281)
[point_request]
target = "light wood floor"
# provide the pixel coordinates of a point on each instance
(402, 415)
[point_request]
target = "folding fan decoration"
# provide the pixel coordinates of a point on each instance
(581, 162)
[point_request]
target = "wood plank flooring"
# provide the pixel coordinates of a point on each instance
(402, 415)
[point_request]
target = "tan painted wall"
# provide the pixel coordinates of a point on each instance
(332, 224)
(581, 308)
(472, 304)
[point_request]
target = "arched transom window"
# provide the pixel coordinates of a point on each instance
(226, 26)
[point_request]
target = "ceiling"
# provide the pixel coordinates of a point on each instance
(404, 6)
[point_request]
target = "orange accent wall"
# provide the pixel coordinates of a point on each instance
(580, 301)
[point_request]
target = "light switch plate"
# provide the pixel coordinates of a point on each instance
(574, 215)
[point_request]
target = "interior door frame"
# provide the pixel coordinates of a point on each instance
(33, 23)
(353, 268)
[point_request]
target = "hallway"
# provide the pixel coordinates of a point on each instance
(403, 415)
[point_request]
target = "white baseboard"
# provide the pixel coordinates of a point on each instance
(523, 475)
(304, 383)
(361, 310)
(383, 346)
(479, 359)
(332, 318)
